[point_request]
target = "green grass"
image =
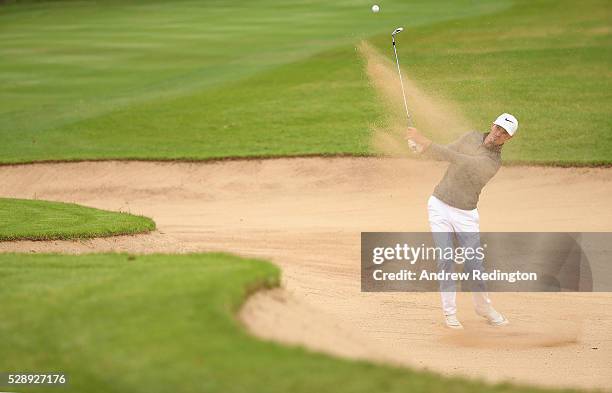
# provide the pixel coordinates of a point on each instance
(185, 79)
(22, 219)
(200, 80)
(160, 323)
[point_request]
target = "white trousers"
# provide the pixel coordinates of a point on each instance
(446, 223)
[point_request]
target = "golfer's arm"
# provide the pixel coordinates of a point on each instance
(445, 153)
(456, 144)
(450, 152)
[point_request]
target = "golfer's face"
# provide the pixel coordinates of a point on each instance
(497, 136)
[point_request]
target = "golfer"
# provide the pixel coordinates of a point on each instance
(474, 159)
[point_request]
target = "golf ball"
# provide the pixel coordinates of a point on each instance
(375, 8)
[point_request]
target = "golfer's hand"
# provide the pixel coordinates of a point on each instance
(414, 135)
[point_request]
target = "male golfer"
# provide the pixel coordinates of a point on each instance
(474, 159)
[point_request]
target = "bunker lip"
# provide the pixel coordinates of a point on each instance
(508, 163)
(306, 215)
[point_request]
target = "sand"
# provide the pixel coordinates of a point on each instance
(306, 215)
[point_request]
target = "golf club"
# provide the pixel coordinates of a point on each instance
(412, 144)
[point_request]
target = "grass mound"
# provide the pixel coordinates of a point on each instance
(22, 219)
(159, 323)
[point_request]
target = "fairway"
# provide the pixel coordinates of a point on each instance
(158, 80)
(22, 219)
(190, 80)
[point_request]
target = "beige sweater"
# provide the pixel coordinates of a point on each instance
(472, 165)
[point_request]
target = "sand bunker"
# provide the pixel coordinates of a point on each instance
(306, 215)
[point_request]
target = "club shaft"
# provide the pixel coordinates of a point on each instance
(402, 85)
(413, 146)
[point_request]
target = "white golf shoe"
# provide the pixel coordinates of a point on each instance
(452, 321)
(493, 317)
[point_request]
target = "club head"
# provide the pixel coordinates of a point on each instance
(398, 30)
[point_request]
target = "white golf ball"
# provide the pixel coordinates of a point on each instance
(375, 8)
